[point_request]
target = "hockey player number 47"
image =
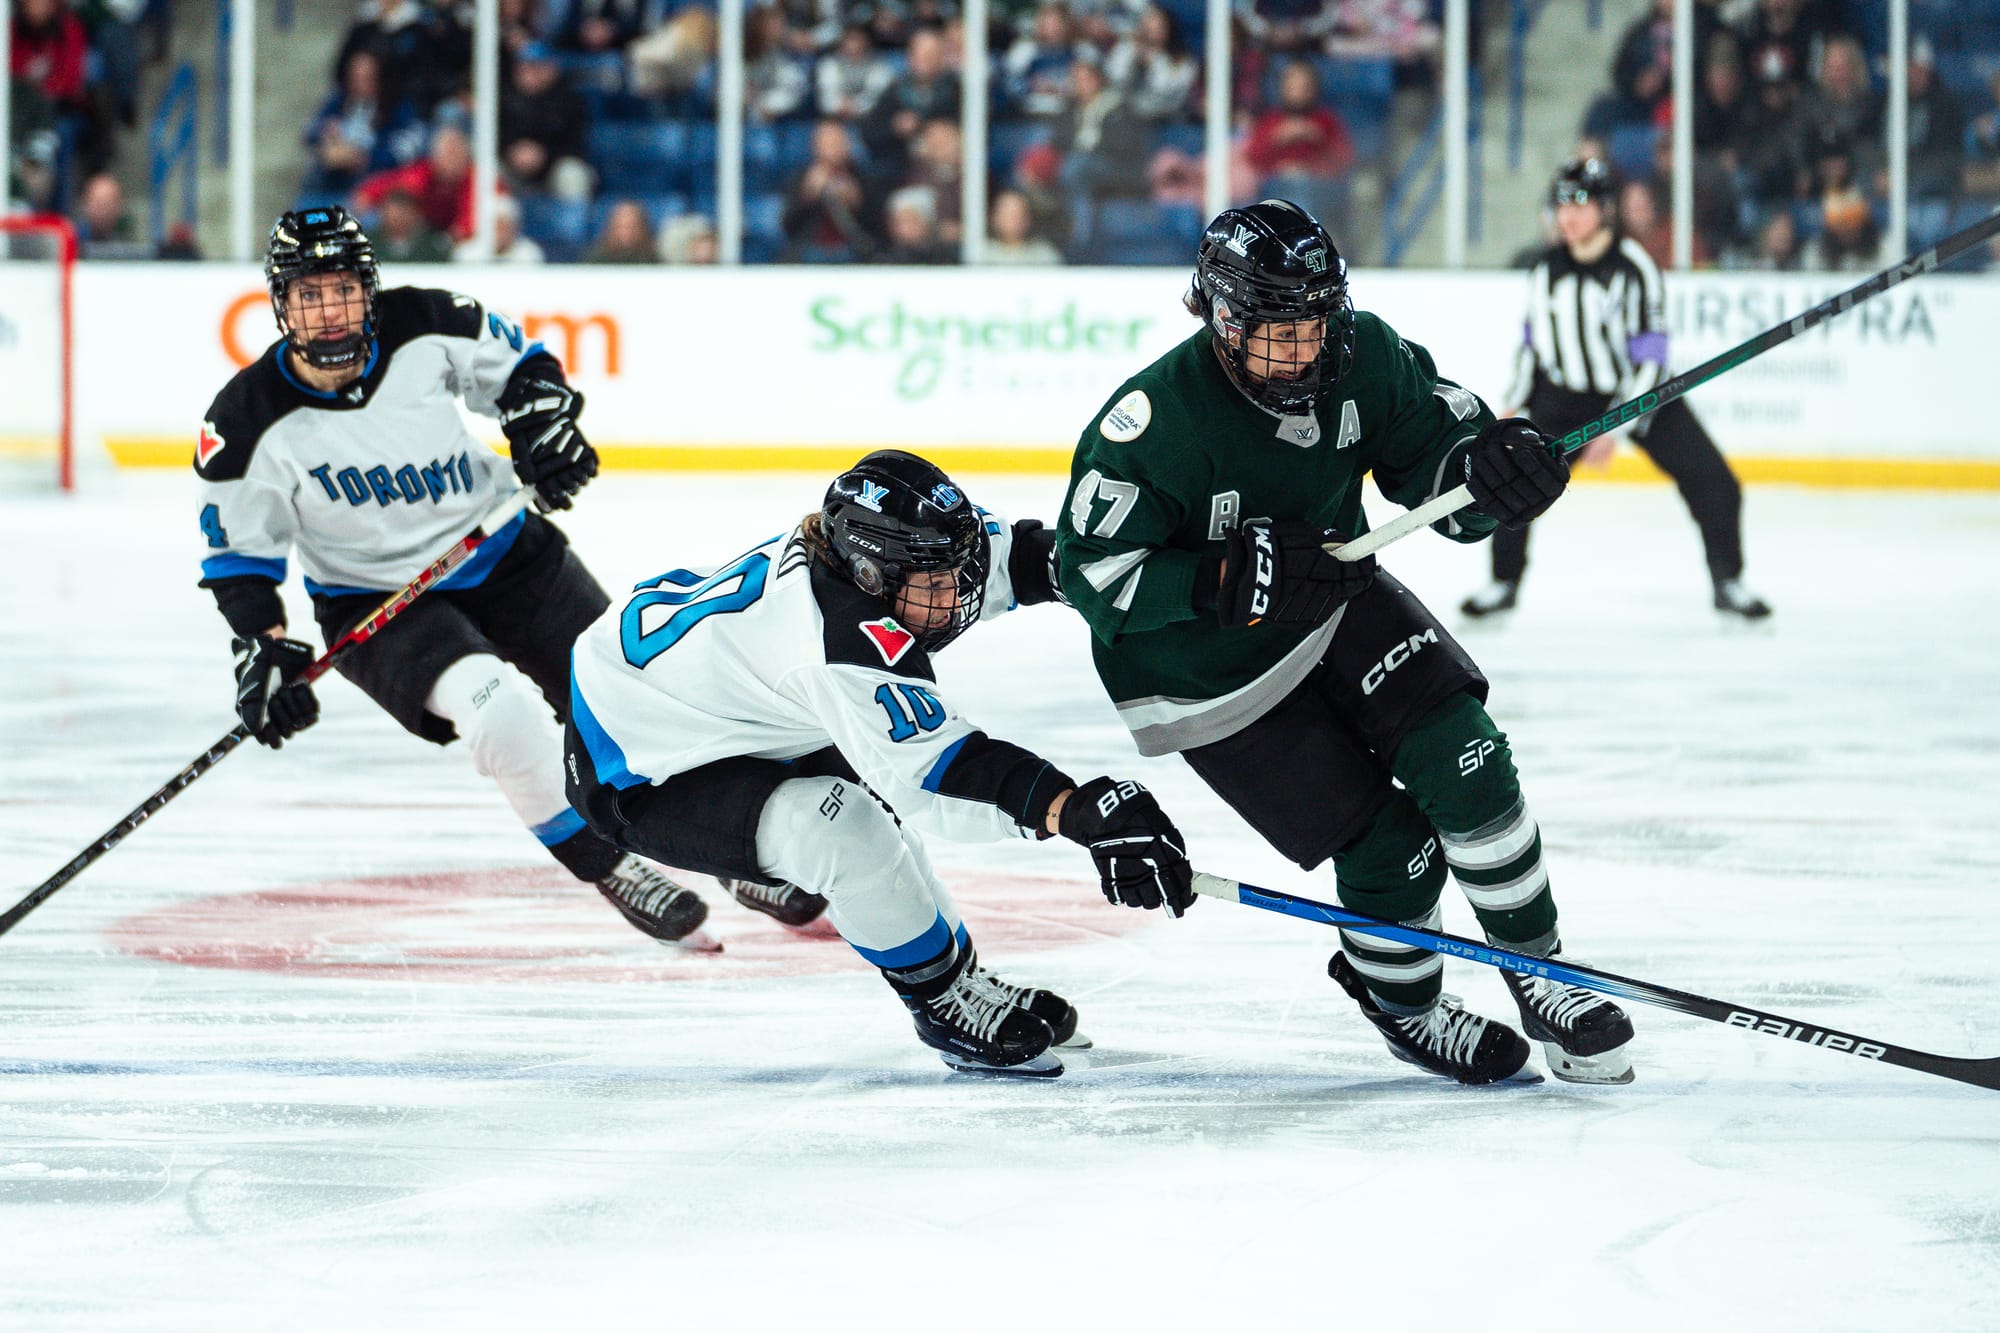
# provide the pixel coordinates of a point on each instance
(1090, 488)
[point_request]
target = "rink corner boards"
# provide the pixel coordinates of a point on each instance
(1962, 474)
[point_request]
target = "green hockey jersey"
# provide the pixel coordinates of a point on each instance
(1177, 457)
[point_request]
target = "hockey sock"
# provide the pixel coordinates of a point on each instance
(514, 740)
(1394, 870)
(1456, 765)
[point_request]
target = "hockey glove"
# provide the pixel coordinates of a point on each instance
(1141, 857)
(271, 706)
(538, 416)
(1514, 474)
(1280, 572)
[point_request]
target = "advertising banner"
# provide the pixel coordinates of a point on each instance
(798, 366)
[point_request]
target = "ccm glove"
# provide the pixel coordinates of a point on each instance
(1514, 474)
(272, 706)
(1141, 857)
(538, 416)
(1280, 572)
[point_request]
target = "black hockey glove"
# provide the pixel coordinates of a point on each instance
(538, 416)
(1514, 474)
(271, 706)
(1280, 572)
(1141, 857)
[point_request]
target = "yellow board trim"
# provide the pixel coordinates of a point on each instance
(1962, 474)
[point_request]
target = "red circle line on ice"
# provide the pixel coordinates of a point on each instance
(539, 925)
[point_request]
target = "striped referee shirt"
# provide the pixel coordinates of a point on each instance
(1596, 328)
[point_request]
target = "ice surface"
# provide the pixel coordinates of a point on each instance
(329, 1044)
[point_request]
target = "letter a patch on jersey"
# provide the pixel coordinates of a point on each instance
(890, 639)
(211, 444)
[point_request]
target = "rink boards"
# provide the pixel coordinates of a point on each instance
(803, 367)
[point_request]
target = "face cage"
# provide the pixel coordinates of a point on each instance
(335, 355)
(1290, 397)
(969, 593)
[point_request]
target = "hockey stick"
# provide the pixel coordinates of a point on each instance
(1979, 1073)
(498, 518)
(1946, 250)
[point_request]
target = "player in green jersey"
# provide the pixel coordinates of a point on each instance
(1319, 698)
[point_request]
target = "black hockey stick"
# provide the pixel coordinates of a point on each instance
(1979, 1073)
(1946, 250)
(498, 518)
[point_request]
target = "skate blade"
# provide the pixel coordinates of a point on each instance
(695, 941)
(1612, 1067)
(1523, 1076)
(1045, 1065)
(1077, 1042)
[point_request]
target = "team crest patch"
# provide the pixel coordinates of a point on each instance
(1128, 418)
(211, 444)
(890, 639)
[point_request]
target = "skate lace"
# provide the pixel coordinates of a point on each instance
(1447, 1030)
(973, 1004)
(642, 889)
(1560, 1004)
(1012, 994)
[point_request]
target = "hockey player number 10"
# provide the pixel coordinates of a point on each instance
(693, 599)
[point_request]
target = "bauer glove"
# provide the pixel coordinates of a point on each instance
(1141, 857)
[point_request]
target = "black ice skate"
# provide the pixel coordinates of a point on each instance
(1445, 1039)
(1495, 598)
(1733, 599)
(1046, 1005)
(1583, 1035)
(972, 1024)
(655, 904)
(787, 904)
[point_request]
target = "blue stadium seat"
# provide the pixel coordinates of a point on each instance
(639, 158)
(763, 218)
(1188, 138)
(1007, 140)
(1631, 148)
(1125, 222)
(795, 146)
(560, 226)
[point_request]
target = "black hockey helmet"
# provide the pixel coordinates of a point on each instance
(893, 516)
(1587, 180)
(321, 240)
(1273, 263)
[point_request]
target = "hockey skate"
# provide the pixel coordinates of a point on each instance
(1444, 1039)
(787, 904)
(1046, 1005)
(1733, 599)
(1583, 1035)
(1494, 599)
(661, 908)
(973, 1025)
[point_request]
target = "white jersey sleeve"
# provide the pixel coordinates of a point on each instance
(482, 363)
(774, 656)
(1020, 565)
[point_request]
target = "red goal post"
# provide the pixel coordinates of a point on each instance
(37, 340)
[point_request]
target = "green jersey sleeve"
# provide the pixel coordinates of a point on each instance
(1420, 452)
(1116, 535)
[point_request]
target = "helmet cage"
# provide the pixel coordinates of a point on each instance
(321, 240)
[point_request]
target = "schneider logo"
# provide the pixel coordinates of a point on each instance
(919, 344)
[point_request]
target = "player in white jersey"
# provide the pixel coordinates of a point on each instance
(344, 442)
(778, 720)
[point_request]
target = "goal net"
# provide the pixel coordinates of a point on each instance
(37, 445)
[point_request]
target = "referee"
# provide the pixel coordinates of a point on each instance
(1595, 335)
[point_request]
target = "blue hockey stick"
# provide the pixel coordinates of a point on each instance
(1979, 1073)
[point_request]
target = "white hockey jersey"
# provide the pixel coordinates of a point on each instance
(369, 483)
(776, 656)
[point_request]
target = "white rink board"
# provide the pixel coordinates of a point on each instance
(998, 359)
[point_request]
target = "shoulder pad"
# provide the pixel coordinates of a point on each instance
(250, 404)
(411, 312)
(859, 631)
